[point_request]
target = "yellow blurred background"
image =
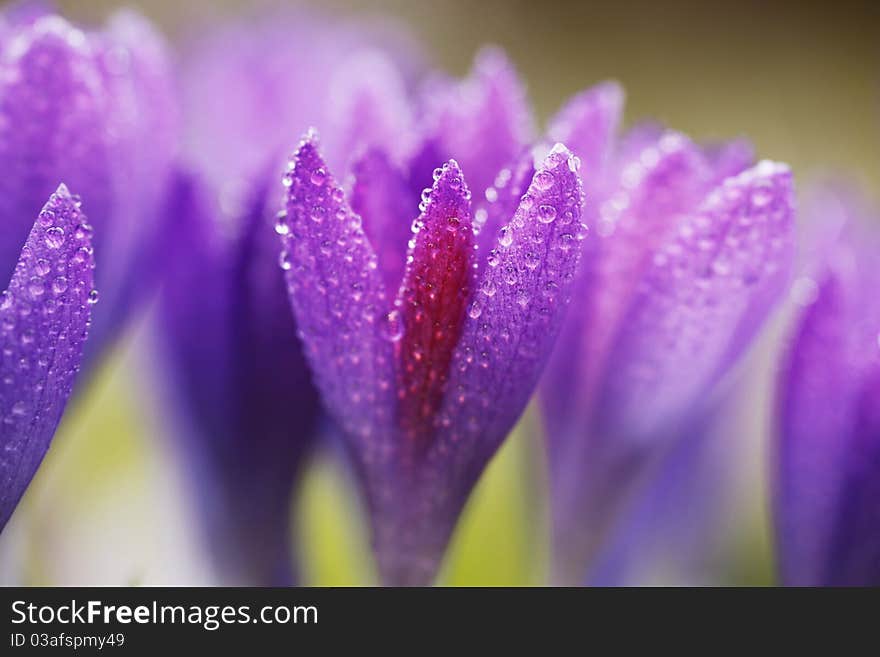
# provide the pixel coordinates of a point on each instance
(801, 80)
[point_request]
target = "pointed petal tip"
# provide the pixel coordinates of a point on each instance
(46, 313)
(558, 156)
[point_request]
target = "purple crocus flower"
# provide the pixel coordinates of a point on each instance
(44, 318)
(246, 410)
(827, 465)
(95, 110)
(426, 332)
(691, 249)
(427, 382)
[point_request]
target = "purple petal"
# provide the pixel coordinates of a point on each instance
(729, 158)
(44, 320)
(704, 295)
(436, 288)
(587, 124)
(484, 122)
(382, 197)
(658, 182)
(367, 107)
(522, 296)
(507, 335)
(50, 87)
(136, 68)
(339, 301)
(828, 460)
(92, 110)
(501, 201)
(674, 530)
(246, 406)
(271, 76)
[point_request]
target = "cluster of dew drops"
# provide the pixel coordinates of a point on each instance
(46, 286)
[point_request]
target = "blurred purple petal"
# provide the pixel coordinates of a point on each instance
(96, 111)
(700, 301)
(673, 290)
(588, 124)
(245, 403)
(484, 122)
(367, 107)
(272, 75)
(44, 320)
(384, 200)
(828, 456)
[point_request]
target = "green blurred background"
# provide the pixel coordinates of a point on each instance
(801, 80)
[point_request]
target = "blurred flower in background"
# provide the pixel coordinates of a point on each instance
(94, 110)
(692, 250)
(826, 475)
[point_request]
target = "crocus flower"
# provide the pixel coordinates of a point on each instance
(44, 318)
(426, 382)
(94, 110)
(691, 249)
(427, 347)
(827, 457)
(246, 411)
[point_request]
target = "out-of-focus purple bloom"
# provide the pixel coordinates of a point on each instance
(690, 251)
(247, 84)
(93, 110)
(827, 469)
(246, 410)
(44, 319)
(241, 392)
(425, 347)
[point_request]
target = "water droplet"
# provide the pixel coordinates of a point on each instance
(391, 326)
(36, 288)
(93, 297)
(83, 231)
(59, 285)
(488, 287)
(54, 237)
(493, 259)
(284, 260)
(43, 267)
(318, 177)
(505, 236)
(761, 197)
(544, 180)
(546, 214)
(475, 310)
